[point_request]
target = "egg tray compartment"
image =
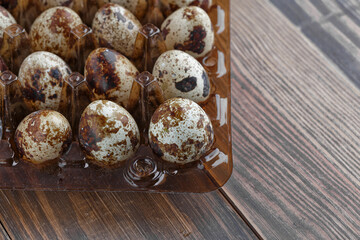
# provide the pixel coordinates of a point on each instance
(144, 171)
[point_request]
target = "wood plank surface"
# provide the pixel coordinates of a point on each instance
(83, 215)
(3, 233)
(296, 129)
(333, 26)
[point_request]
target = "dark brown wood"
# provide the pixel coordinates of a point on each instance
(3, 233)
(332, 26)
(296, 132)
(83, 215)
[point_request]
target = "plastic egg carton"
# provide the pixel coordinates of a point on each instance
(144, 171)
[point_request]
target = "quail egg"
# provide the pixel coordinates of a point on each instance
(183, 3)
(180, 131)
(43, 136)
(110, 75)
(108, 134)
(116, 27)
(41, 78)
(51, 31)
(189, 29)
(181, 75)
(137, 7)
(6, 20)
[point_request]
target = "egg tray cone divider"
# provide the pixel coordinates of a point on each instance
(144, 171)
(76, 96)
(15, 47)
(84, 44)
(158, 10)
(150, 43)
(7, 153)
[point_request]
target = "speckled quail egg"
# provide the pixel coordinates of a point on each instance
(181, 75)
(184, 3)
(43, 136)
(137, 7)
(180, 131)
(51, 31)
(189, 29)
(6, 20)
(116, 27)
(108, 134)
(41, 78)
(110, 75)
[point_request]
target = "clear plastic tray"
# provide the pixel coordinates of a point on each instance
(144, 171)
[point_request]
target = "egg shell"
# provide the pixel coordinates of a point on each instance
(189, 29)
(51, 31)
(117, 28)
(41, 78)
(110, 75)
(6, 20)
(181, 75)
(43, 136)
(137, 7)
(184, 3)
(108, 134)
(180, 131)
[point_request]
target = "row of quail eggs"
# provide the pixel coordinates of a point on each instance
(116, 20)
(188, 29)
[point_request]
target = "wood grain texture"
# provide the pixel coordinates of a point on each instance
(296, 130)
(3, 234)
(333, 26)
(83, 215)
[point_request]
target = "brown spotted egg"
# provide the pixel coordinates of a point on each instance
(110, 75)
(51, 31)
(180, 131)
(108, 134)
(184, 3)
(43, 136)
(181, 75)
(189, 29)
(41, 78)
(116, 27)
(6, 20)
(137, 7)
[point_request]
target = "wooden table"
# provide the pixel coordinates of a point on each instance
(296, 144)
